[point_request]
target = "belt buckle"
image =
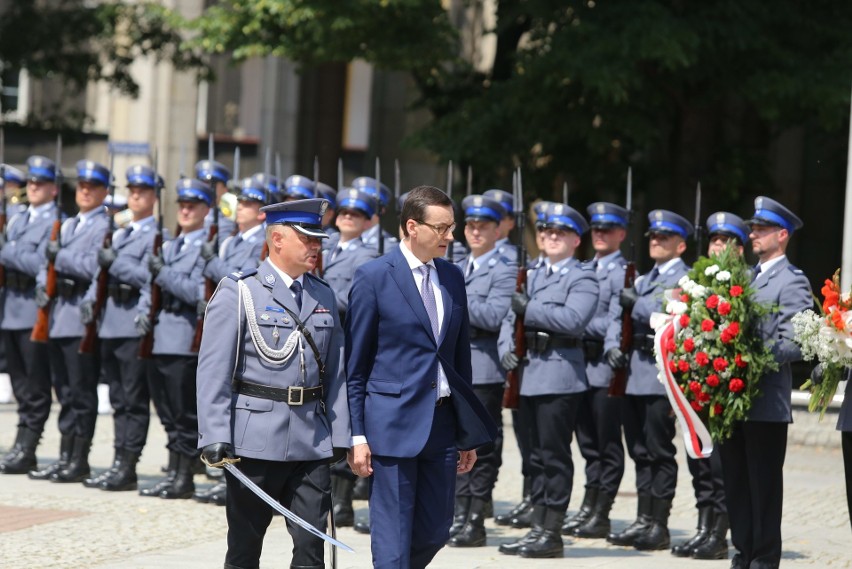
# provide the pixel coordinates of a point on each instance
(300, 400)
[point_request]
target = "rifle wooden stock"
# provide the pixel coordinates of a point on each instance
(209, 289)
(618, 383)
(90, 334)
(41, 328)
(318, 270)
(146, 345)
(512, 392)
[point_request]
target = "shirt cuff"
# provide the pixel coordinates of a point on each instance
(358, 440)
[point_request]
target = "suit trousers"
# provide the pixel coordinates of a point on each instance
(599, 439)
(126, 375)
(708, 482)
(846, 443)
(649, 429)
(479, 482)
(753, 470)
(29, 371)
(552, 421)
(172, 382)
(304, 488)
(411, 499)
(75, 381)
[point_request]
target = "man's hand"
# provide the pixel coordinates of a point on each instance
(106, 257)
(208, 249)
(52, 250)
(143, 324)
(41, 298)
(520, 301)
(87, 311)
(628, 298)
(201, 308)
(360, 461)
(156, 264)
(509, 361)
(214, 454)
(467, 458)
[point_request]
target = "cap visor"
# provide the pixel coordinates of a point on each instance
(319, 233)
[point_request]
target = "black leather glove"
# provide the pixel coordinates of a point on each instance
(615, 358)
(106, 257)
(52, 250)
(509, 361)
(143, 324)
(200, 308)
(520, 301)
(87, 311)
(628, 298)
(817, 374)
(208, 249)
(214, 454)
(155, 264)
(41, 298)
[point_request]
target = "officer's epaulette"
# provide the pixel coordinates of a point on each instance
(587, 267)
(316, 278)
(240, 275)
(795, 270)
(507, 261)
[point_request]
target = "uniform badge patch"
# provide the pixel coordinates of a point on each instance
(270, 279)
(264, 316)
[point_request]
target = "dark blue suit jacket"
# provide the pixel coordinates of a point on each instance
(392, 359)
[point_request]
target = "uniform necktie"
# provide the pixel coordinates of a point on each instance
(549, 270)
(179, 244)
(757, 270)
(296, 287)
(335, 253)
(428, 296)
(469, 269)
(655, 274)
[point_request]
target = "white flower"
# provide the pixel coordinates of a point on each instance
(676, 307)
(699, 291)
(723, 276)
(683, 280)
(711, 270)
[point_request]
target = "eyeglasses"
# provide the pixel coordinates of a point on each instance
(442, 230)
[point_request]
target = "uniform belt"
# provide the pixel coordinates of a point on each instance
(293, 396)
(175, 305)
(592, 348)
(643, 343)
(539, 341)
(122, 292)
(67, 287)
(476, 333)
(443, 400)
(19, 281)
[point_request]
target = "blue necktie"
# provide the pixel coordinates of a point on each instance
(428, 296)
(757, 270)
(296, 287)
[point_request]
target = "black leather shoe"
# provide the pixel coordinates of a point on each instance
(158, 487)
(66, 444)
(513, 547)
(21, 458)
(597, 525)
(549, 544)
(589, 500)
(183, 485)
(362, 526)
(96, 481)
(628, 535)
(341, 496)
(716, 544)
(220, 495)
(472, 534)
(656, 537)
(461, 510)
(124, 476)
(77, 469)
(522, 520)
(705, 522)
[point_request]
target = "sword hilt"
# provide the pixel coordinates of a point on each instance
(221, 463)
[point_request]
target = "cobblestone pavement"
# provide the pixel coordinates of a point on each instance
(46, 525)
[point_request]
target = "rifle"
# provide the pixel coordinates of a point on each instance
(469, 179)
(318, 267)
(90, 334)
(264, 252)
(213, 235)
(146, 344)
(699, 231)
(396, 181)
(379, 201)
(41, 329)
(450, 195)
(3, 190)
(618, 383)
(512, 392)
(565, 193)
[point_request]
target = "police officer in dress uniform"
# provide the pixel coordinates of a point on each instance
(753, 458)
(563, 295)
(299, 188)
(649, 426)
(272, 394)
(599, 420)
(172, 369)
(75, 375)
(23, 256)
(725, 230)
(507, 224)
(490, 283)
(15, 188)
(123, 321)
(371, 236)
(216, 175)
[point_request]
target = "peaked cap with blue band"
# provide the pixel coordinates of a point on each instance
(603, 215)
(540, 210)
(270, 184)
(14, 175)
(41, 169)
(192, 190)
(90, 171)
(359, 199)
(562, 216)
(769, 212)
(142, 176)
(305, 216)
(505, 198)
(327, 193)
(253, 190)
(482, 208)
(369, 185)
(665, 221)
(726, 223)
(209, 170)
(300, 187)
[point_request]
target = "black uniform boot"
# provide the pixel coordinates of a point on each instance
(461, 509)
(66, 443)
(12, 449)
(488, 512)
(362, 526)
(171, 472)
(362, 489)
(472, 534)
(95, 481)
(549, 543)
(219, 494)
(183, 486)
(124, 476)
(523, 507)
(341, 495)
(536, 530)
(597, 525)
(78, 465)
(572, 522)
(705, 522)
(716, 544)
(643, 519)
(21, 459)
(656, 537)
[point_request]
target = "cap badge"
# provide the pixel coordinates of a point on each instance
(758, 203)
(323, 207)
(477, 201)
(720, 218)
(600, 208)
(557, 209)
(658, 215)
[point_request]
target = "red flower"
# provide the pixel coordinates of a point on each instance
(740, 361)
(733, 329)
(707, 325)
(719, 364)
(736, 290)
(725, 337)
(672, 366)
(683, 365)
(684, 298)
(717, 409)
(724, 308)
(702, 359)
(712, 380)
(703, 397)
(696, 405)
(694, 387)
(689, 345)
(684, 320)
(736, 385)
(670, 345)
(712, 301)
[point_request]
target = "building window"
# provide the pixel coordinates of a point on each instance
(14, 93)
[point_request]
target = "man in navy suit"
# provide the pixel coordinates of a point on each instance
(415, 419)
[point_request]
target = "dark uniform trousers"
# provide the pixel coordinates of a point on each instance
(708, 483)
(599, 439)
(75, 380)
(128, 391)
(480, 481)
(171, 380)
(846, 443)
(649, 429)
(301, 487)
(29, 371)
(552, 419)
(520, 424)
(754, 478)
